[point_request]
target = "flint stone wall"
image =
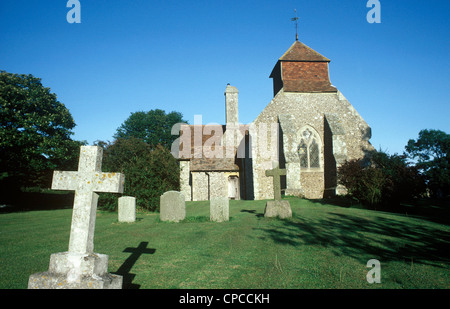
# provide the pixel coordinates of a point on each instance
(309, 109)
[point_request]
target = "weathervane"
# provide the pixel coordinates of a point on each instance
(296, 24)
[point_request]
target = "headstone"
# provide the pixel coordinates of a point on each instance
(278, 207)
(172, 206)
(80, 267)
(127, 209)
(219, 209)
(276, 173)
(281, 209)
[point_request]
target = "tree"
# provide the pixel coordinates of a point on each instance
(431, 150)
(149, 172)
(363, 182)
(35, 130)
(384, 179)
(153, 127)
(402, 180)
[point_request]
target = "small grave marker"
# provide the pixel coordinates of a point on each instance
(278, 207)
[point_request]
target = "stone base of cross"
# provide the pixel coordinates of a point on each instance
(80, 267)
(277, 208)
(280, 209)
(68, 270)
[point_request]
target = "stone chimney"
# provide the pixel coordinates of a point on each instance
(231, 105)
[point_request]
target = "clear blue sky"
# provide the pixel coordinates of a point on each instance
(176, 55)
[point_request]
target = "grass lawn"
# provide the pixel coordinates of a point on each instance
(322, 246)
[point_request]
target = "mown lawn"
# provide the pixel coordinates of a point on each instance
(322, 246)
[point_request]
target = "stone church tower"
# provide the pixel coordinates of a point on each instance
(309, 128)
(318, 128)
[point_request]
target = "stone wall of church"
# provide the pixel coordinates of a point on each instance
(263, 155)
(206, 185)
(218, 184)
(312, 184)
(309, 109)
(185, 174)
(200, 185)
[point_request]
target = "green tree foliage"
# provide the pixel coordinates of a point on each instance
(385, 179)
(154, 127)
(149, 172)
(432, 152)
(364, 183)
(35, 131)
(403, 180)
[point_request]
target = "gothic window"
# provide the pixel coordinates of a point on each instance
(309, 150)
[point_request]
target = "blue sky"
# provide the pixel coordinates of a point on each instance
(138, 55)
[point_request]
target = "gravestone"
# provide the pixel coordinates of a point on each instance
(278, 207)
(127, 209)
(172, 206)
(219, 209)
(80, 267)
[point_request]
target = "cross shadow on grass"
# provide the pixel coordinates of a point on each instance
(363, 238)
(125, 268)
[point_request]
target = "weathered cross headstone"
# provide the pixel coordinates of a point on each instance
(172, 206)
(127, 209)
(219, 209)
(80, 267)
(278, 207)
(276, 173)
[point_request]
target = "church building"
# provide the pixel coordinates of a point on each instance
(308, 128)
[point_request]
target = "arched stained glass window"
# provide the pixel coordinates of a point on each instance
(303, 153)
(308, 149)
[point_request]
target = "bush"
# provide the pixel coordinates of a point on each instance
(403, 181)
(364, 183)
(148, 172)
(384, 179)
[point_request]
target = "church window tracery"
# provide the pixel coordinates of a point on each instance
(308, 149)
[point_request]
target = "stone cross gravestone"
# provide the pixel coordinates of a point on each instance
(80, 267)
(127, 209)
(219, 209)
(172, 206)
(276, 173)
(278, 207)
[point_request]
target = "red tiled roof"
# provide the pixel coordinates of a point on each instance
(308, 86)
(205, 163)
(300, 52)
(302, 69)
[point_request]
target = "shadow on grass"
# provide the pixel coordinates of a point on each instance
(364, 238)
(252, 211)
(435, 210)
(125, 268)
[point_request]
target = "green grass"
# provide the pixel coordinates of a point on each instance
(322, 246)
